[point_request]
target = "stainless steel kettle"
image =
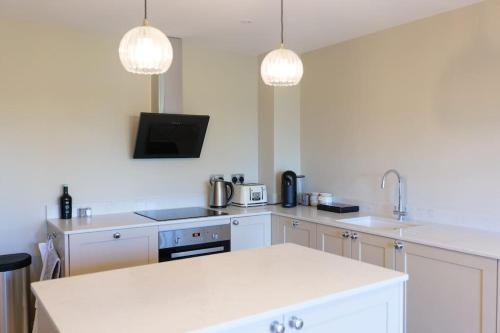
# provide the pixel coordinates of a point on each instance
(221, 193)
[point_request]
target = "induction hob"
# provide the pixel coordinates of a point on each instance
(179, 213)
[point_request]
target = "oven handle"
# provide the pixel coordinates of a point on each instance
(183, 254)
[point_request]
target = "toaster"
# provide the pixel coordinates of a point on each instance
(249, 195)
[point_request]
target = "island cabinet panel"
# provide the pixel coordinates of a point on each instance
(111, 249)
(294, 231)
(250, 232)
(377, 311)
(334, 240)
(448, 291)
(374, 250)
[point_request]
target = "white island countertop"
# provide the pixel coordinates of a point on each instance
(204, 292)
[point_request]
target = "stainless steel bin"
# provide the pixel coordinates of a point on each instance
(14, 284)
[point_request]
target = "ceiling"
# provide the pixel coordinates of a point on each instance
(309, 24)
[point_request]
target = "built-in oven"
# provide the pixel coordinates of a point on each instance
(194, 242)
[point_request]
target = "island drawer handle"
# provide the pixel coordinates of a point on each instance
(354, 236)
(117, 235)
(236, 222)
(277, 327)
(295, 223)
(398, 245)
(296, 323)
(346, 234)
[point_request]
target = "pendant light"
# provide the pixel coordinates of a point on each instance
(145, 50)
(281, 67)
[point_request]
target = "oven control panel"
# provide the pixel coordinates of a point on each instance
(194, 236)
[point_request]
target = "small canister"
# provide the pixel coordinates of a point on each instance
(313, 199)
(306, 199)
(85, 212)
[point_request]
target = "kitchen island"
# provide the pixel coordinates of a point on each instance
(274, 289)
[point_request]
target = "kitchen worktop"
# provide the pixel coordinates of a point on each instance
(461, 239)
(204, 292)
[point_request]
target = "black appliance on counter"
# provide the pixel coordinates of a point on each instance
(179, 213)
(289, 189)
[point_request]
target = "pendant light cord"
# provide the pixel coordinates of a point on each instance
(145, 10)
(282, 24)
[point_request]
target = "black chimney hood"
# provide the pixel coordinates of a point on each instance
(163, 135)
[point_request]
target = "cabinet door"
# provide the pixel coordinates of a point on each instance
(250, 232)
(380, 311)
(448, 291)
(298, 232)
(334, 240)
(112, 249)
(374, 250)
(277, 236)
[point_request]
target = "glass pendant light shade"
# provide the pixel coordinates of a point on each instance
(281, 68)
(145, 50)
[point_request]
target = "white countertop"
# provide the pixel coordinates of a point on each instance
(201, 292)
(461, 239)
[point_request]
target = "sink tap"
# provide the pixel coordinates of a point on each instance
(399, 210)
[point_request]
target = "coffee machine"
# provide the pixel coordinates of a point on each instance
(289, 189)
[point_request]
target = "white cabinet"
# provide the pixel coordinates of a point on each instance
(448, 291)
(334, 240)
(378, 311)
(112, 249)
(368, 248)
(250, 232)
(295, 231)
(372, 249)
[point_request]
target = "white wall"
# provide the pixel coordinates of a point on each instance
(422, 98)
(68, 113)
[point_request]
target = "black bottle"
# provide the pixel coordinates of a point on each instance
(66, 204)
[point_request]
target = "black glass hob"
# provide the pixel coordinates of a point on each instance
(179, 213)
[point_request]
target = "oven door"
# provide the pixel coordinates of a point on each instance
(189, 251)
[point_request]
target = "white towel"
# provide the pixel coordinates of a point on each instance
(51, 269)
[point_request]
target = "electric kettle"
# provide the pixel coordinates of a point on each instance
(221, 193)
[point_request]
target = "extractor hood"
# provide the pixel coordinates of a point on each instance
(166, 135)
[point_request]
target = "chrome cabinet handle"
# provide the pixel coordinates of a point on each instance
(236, 222)
(354, 236)
(117, 235)
(277, 327)
(398, 245)
(295, 223)
(346, 234)
(296, 323)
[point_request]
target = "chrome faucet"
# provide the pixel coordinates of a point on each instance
(399, 210)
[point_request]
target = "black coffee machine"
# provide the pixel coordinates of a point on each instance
(289, 189)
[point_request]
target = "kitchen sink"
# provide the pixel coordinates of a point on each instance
(378, 223)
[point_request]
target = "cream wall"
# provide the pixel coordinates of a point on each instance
(68, 113)
(422, 98)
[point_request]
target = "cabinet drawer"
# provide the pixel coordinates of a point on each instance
(112, 249)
